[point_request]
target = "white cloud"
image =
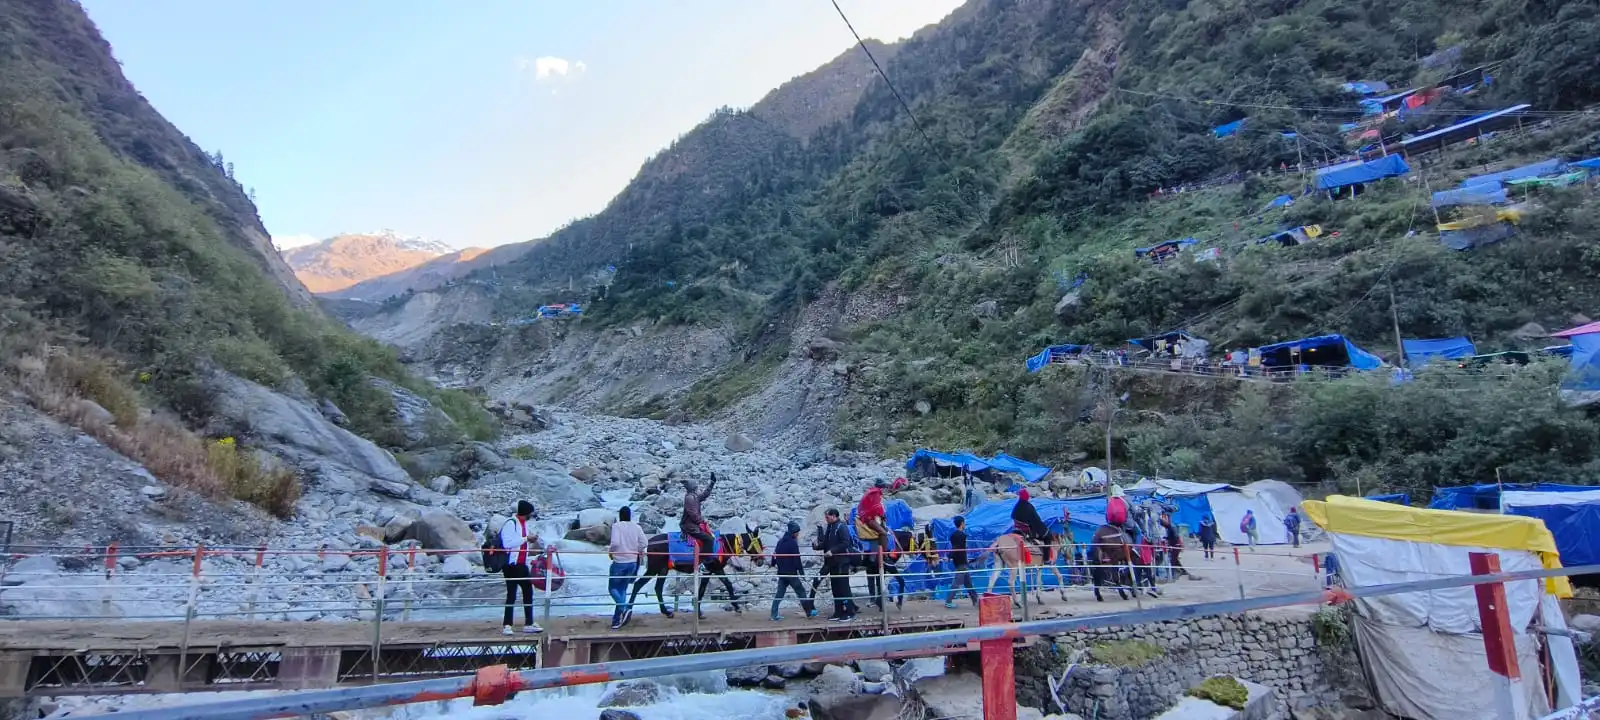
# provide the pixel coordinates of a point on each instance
(285, 242)
(550, 69)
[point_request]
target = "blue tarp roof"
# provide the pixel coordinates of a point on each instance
(1482, 194)
(1558, 350)
(1029, 471)
(1037, 362)
(1487, 496)
(1462, 130)
(1576, 528)
(1396, 498)
(1366, 87)
(1355, 356)
(1280, 201)
(1227, 129)
(964, 460)
(993, 519)
(1543, 167)
(1584, 376)
(1425, 350)
(1357, 172)
(1477, 236)
(1592, 163)
(1149, 343)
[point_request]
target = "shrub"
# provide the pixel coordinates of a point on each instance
(1222, 690)
(525, 452)
(1126, 653)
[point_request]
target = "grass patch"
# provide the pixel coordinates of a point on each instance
(1222, 690)
(525, 452)
(1126, 653)
(720, 391)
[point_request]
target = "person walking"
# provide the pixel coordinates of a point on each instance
(627, 548)
(960, 577)
(1174, 545)
(692, 523)
(515, 537)
(837, 562)
(1291, 522)
(786, 558)
(971, 495)
(1208, 536)
(1247, 525)
(871, 517)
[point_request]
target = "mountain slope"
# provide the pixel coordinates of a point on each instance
(344, 260)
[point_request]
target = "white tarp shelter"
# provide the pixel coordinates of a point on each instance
(1266, 499)
(1424, 652)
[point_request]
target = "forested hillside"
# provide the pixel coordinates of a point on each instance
(1039, 146)
(130, 259)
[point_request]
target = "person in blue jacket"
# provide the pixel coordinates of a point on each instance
(786, 558)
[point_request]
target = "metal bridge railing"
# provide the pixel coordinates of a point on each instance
(493, 686)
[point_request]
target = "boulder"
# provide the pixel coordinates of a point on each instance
(923, 407)
(586, 473)
(631, 693)
(439, 529)
(1260, 704)
(398, 489)
(927, 513)
(855, 707)
(957, 695)
(986, 309)
(821, 348)
(397, 529)
(31, 569)
(457, 566)
(422, 424)
(874, 670)
(1068, 303)
(442, 484)
(295, 430)
(91, 412)
(332, 412)
(789, 670)
(712, 682)
(746, 677)
(153, 492)
(614, 714)
(774, 682)
(596, 516)
(594, 534)
(739, 442)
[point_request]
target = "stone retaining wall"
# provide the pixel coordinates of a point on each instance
(1278, 650)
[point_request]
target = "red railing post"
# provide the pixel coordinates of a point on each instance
(1498, 641)
(999, 680)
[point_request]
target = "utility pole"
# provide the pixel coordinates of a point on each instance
(1394, 314)
(1429, 190)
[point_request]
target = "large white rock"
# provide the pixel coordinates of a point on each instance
(596, 516)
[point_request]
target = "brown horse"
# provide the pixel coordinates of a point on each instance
(1013, 554)
(1110, 557)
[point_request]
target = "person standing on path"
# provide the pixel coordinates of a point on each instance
(515, 537)
(1174, 545)
(838, 557)
(786, 558)
(1291, 522)
(628, 545)
(1208, 536)
(692, 523)
(960, 576)
(1247, 525)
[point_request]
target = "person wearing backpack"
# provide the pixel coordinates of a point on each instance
(515, 538)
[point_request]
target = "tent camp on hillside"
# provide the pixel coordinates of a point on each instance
(932, 463)
(1332, 351)
(1065, 353)
(1423, 652)
(1421, 352)
(1175, 344)
(1581, 386)
(1356, 173)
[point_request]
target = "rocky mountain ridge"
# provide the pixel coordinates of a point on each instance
(347, 259)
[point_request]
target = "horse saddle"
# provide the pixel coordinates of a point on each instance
(680, 548)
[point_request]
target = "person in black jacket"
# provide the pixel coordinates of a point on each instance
(838, 557)
(786, 557)
(958, 563)
(1026, 518)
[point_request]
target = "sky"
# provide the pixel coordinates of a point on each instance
(474, 124)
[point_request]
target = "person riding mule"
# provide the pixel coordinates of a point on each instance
(1111, 553)
(714, 551)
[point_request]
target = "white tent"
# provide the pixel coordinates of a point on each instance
(1424, 652)
(1228, 504)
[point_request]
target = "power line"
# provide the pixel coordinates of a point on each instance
(1337, 110)
(903, 104)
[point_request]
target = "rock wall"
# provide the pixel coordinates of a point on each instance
(1278, 650)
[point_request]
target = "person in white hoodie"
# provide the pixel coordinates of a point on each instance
(515, 539)
(628, 545)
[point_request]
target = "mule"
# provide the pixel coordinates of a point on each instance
(1009, 550)
(659, 561)
(1110, 557)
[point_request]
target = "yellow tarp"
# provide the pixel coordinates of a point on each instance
(1511, 214)
(1355, 516)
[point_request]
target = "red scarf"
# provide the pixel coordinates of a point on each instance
(522, 553)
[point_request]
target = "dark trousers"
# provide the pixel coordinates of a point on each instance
(706, 542)
(785, 582)
(1210, 547)
(1295, 536)
(1177, 567)
(517, 576)
(962, 578)
(839, 578)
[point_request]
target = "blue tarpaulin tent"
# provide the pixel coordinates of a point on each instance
(1487, 496)
(1572, 517)
(1464, 130)
(1482, 194)
(1366, 87)
(1227, 129)
(1357, 172)
(1052, 353)
(959, 461)
(1469, 238)
(1029, 471)
(1558, 350)
(1396, 498)
(1543, 167)
(1328, 350)
(1421, 351)
(1590, 164)
(993, 519)
(1581, 386)
(1164, 248)
(1280, 201)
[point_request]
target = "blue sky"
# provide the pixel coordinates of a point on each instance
(476, 123)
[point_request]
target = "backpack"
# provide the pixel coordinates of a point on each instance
(494, 555)
(537, 570)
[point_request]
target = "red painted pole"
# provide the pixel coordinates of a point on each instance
(999, 680)
(1498, 641)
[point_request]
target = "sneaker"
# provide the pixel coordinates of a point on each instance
(532, 629)
(506, 630)
(950, 605)
(840, 618)
(616, 625)
(811, 613)
(627, 614)
(777, 618)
